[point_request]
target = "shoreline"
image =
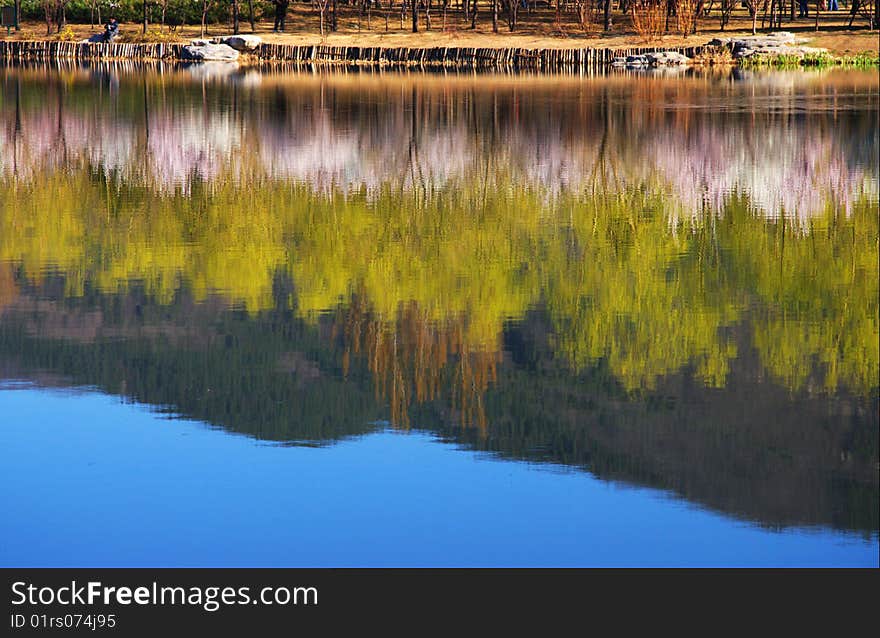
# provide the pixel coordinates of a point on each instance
(711, 53)
(324, 54)
(536, 47)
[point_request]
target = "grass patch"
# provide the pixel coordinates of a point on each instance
(715, 56)
(152, 36)
(864, 60)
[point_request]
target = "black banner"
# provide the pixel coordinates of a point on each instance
(130, 602)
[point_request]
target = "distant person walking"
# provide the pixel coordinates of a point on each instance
(803, 10)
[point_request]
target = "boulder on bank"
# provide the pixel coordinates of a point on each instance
(209, 51)
(244, 43)
(773, 44)
(799, 52)
(656, 59)
(636, 61)
(778, 38)
(667, 58)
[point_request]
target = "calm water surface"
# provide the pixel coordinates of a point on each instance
(261, 317)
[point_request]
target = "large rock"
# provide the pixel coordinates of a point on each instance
(657, 59)
(773, 44)
(208, 51)
(637, 61)
(246, 43)
(667, 58)
(750, 50)
(778, 38)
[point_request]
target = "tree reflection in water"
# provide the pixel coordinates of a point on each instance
(669, 282)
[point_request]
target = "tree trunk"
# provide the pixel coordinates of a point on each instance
(607, 15)
(145, 16)
(415, 15)
(281, 15)
(235, 27)
(251, 15)
(60, 16)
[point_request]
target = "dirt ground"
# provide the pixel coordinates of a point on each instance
(537, 30)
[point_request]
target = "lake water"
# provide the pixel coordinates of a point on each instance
(276, 318)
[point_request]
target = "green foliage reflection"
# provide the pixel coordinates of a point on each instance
(625, 281)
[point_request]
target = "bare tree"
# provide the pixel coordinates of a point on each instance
(511, 8)
(48, 10)
(752, 6)
(727, 8)
(687, 13)
(56, 13)
(163, 4)
(93, 4)
(647, 17)
(206, 7)
(322, 6)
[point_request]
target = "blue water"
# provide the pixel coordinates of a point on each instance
(88, 480)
